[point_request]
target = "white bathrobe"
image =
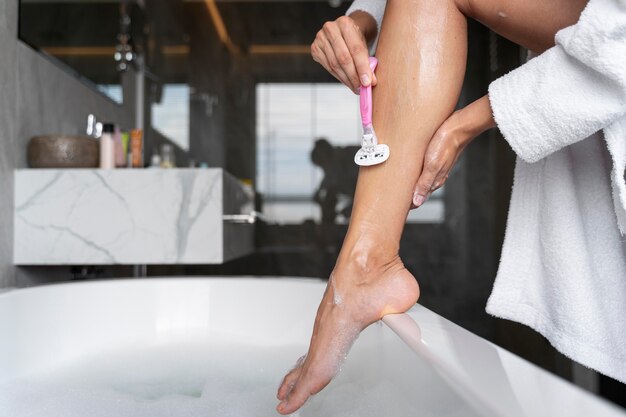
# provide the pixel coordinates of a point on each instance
(563, 265)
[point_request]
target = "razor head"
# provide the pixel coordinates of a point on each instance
(372, 155)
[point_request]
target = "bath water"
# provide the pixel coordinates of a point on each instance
(174, 380)
(203, 380)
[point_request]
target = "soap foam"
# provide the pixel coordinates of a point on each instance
(169, 381)
(185, 381)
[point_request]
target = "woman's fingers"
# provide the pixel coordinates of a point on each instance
(357, 50)
(424, 186)
(323, 53)
(440, 157)
(335, 68)
(339, 55)
(448, 143)
(341, 49)
(428, 184)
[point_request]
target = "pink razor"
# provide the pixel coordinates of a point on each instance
(371, 152)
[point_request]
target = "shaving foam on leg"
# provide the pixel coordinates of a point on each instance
(371, 152)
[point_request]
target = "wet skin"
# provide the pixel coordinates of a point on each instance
(422, 55)
(369, 277)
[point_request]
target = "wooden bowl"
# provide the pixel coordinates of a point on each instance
(63, 152)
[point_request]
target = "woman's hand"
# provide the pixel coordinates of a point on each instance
(341, 47)
(447, 144)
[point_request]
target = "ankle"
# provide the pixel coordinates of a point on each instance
(374, 283)
(365, 262)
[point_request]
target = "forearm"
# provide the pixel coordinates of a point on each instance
(417, 89)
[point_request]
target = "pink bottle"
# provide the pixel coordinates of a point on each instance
(107, 147)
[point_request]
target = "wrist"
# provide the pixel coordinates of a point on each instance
(366, 24)
(460, 129)
(474, 119)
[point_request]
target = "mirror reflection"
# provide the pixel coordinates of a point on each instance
(90, 38)
(223, 83)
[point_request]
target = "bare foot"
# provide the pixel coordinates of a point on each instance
(355, 298)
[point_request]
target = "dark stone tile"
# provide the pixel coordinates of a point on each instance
(9, 16)
(3, 14)
(51, 100)
(8, 80)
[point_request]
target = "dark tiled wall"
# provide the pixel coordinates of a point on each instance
(36, 97)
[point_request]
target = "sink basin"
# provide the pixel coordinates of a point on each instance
(60, 151)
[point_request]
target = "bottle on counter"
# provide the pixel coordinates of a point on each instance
(107, 147)
(167, 156)
(136, 148)
(120, 155)
(155, 161)
(126, 148)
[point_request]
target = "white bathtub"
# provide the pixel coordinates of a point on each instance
(219, 347)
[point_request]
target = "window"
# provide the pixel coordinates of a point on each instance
(171, 115)
(299, 128)
(113, 91)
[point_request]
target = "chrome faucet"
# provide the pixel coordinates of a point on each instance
(94, 127)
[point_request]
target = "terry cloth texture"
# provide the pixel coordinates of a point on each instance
(563, 265)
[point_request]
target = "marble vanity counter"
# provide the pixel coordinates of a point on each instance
(98, 217)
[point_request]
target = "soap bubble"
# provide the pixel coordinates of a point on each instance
(166, 381)
(227, 380)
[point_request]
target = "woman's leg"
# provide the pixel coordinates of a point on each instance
(422, 52)
(530, 23)
(421, 67)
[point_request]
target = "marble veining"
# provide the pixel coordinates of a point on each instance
(68, 217)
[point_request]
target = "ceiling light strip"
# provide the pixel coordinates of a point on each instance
(220, 26)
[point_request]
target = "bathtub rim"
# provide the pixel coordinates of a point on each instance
(474, 382)
(422, 338)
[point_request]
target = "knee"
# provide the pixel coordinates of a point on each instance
(464, 6)
(461, 5)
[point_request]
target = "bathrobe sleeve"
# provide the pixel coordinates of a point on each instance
(569, 92)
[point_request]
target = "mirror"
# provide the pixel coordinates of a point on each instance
(90, 38)
(230, 84)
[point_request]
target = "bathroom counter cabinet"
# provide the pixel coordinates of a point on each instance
(106, 217)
